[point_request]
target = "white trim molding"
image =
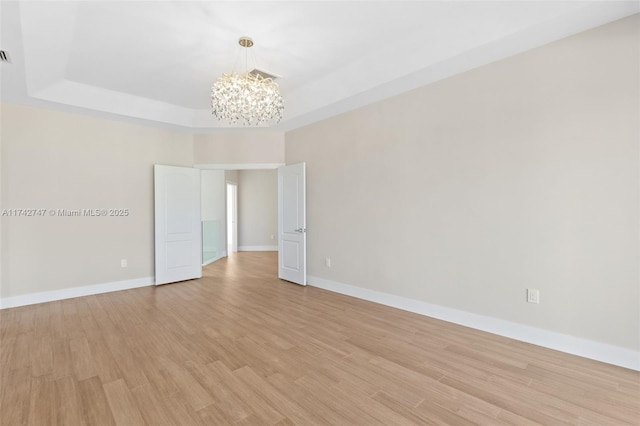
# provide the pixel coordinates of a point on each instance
(258, 248)
(604, 352)
(70, 293)
(238, 166)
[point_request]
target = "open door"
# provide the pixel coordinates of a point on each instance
(292, 222)
(178, 234)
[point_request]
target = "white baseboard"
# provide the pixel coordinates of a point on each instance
(69, 293)
(610, 354)
(258, 248)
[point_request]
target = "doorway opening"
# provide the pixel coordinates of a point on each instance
(232, 218)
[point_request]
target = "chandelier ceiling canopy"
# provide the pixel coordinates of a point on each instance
(252, 97)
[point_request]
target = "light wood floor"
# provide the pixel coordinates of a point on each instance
(242, 347)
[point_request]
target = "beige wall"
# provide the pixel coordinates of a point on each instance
(213, 201)
(463, 193)
(251, 147)
(257, 208)
(57, 160)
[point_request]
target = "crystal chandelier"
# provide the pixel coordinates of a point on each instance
(249, 98)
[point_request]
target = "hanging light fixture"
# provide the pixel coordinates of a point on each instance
(249, 98)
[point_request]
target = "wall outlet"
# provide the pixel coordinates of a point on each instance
(273, 237)
(123, 263)
(327, 262)
(533, 295)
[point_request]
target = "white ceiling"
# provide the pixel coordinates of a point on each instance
(155, 60)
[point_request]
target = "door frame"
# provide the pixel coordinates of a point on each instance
(232, 217)
(237, 166)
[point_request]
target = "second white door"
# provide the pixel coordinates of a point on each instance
(178, 235)
(292, 261)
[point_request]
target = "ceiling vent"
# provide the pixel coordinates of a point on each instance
(263, 74)
(3, 56)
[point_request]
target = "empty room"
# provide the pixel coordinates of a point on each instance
(319, 212)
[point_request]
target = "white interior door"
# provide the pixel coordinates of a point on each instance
(292, 222)
(178, 234)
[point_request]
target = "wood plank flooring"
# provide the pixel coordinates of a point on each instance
(241, 347)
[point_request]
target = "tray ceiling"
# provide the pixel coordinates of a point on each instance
(155, 61)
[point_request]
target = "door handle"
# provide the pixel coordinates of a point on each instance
(300, 230)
